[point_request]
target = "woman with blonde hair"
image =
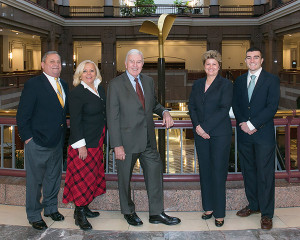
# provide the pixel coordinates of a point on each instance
(209, 105)
(85, 178)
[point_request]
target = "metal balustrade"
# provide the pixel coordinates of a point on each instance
(181, 158)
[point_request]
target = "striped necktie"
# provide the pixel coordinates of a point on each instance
(251, 86)
(59, 93)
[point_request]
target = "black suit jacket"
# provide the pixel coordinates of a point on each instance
(40, 114)
(87, 115)
(260, 110)
(210, 109)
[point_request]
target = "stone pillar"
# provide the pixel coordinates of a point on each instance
(278, 55)
(214, 39)
(108, 8)
(52, 39)
(258, 8)
(257, 38)
(1, 55)
(66, 8)
(108, 61)
(214, 8)
(44, 46)
(65, 49)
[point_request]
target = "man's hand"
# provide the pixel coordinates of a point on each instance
(167, 120)
(244, 127)
(253, 131)
(82, 152)
(201, 132)
(28, 140)
(120, 153)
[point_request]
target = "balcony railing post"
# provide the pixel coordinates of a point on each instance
(288, 147)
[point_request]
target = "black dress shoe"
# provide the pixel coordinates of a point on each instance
(206, 216)
(39, 225)
(219, 223)
(89, 213)
(55, 216)
(133, 219)
(80, 219)
(164, 218)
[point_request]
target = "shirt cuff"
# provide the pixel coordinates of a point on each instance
(79, 144)
(250, 126)
(164, 112)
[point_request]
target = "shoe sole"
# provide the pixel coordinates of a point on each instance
(84, 229)
(249, 214)
(157, 222)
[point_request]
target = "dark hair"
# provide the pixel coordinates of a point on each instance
(253, 49)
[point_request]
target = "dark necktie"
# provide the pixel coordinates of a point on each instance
(139, 92)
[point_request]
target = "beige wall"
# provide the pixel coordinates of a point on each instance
(233, 54)
(86, 2)
(87, 50)
(189, 52)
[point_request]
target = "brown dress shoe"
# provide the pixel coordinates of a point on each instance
(266, 223)
(245, 212)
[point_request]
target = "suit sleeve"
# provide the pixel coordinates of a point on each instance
(192, 106)
(236, 102)
(270, 109)
(25, 111)
(222, 111)
(113, 115)
(158, 108)
(76, 107)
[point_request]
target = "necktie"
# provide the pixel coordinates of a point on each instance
(251, 86)
(139, 92)
(59, 93)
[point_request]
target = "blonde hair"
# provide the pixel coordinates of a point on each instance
(212, 54)
(79, 71)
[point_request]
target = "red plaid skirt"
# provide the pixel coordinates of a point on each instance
(85, 179)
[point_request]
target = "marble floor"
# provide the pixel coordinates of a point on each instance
(112, 225)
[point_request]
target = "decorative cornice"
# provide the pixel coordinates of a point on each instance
(38, 11)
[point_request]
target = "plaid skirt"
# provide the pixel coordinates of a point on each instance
(85, 179)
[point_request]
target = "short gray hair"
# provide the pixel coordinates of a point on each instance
(48, 53)
(134, 51)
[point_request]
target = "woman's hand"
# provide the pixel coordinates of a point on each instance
(201, 132)
(82, 152)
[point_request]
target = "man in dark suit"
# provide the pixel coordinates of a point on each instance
(130, 106)
(255, 102)
(41, 120)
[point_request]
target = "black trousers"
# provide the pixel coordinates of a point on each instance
(213, 158)
(258, 168)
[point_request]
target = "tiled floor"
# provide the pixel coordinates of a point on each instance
(110, 223)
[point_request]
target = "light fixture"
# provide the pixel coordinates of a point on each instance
(10, 55)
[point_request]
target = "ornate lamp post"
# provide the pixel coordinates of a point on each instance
(161, 30)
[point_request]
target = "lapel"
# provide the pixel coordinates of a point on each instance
(259, 83)
(244, 88)
(50, 89)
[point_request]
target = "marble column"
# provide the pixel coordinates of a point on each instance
(214, 8)
(44, 45)
(65, 49)
(1, 55)
(214, 39)
(258, 8)
(108, 61)
(108, 8)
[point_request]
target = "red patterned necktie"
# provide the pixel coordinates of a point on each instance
(139, 92)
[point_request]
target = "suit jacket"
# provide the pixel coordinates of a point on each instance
(40, 114)
(129, 125)
(260, 110)
(87, 115)
(210, 109)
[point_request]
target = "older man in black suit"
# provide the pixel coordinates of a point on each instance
(130, 106)
(41, 120)
(255, 102)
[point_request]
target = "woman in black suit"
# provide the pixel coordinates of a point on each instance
(209, 105)
(85, 178)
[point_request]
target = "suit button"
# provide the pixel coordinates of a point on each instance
(248, 107)
(61, 125)
(249, 118)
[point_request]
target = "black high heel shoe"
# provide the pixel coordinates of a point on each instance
(206, 216)
(219, 223)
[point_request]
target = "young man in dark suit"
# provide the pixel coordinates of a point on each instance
(255, 102)
(41, 120)
(130, 105)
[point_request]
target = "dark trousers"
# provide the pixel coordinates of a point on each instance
(213, 159)
(258, 168)
(153, 174)
(43, 170)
